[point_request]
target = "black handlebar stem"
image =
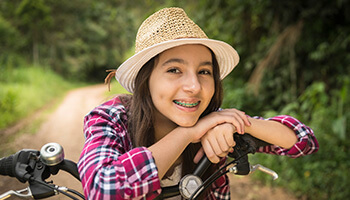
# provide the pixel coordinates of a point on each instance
(245, 144)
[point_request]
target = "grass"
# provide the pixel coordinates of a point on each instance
(26, 89)
(30, 94)
(27, 95)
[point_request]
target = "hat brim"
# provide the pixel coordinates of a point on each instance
(226, 56)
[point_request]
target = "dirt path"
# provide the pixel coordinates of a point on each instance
(64, 126)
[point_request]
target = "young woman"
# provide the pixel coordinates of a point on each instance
(137, 143)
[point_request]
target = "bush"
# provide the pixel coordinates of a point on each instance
(26, 89)
(323, 175)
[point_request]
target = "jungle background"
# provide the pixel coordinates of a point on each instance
(294, 59)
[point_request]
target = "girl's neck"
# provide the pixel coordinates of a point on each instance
(162, 126)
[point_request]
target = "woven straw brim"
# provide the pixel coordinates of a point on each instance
(226, 56)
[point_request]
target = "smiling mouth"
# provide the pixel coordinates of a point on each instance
(187, 105)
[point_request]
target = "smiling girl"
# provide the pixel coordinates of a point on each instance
(137, 143)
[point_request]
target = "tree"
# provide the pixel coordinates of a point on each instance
(34, 17)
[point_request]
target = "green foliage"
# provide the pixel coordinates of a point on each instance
(317, 94)
(323, 175)
(77, 40)
(26, 89)
(33, 13)
(304, 44)
(9, 36)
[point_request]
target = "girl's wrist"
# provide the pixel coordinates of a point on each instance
(186, 134)
(249, 129)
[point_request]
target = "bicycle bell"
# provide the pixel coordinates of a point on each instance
(51, 154)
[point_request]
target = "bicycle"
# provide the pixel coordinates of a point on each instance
(35, 167)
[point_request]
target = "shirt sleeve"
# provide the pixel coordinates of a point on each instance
(109, 167)
(306, 144)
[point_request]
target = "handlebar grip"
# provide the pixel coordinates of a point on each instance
(256, 141)
(19, 165)
(70, 167)
(7, 166)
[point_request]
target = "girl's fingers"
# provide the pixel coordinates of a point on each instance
(222, 146)
(218, 142)
(216, 146)
(238, 116)
(198, 155)
(240, 123)
(244, 117)
(209, 152)
(224, 136)
(229, 138)
(235, 117)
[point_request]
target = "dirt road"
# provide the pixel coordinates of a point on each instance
(64, 126)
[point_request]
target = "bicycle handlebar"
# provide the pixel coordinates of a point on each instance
(19, 164)
(244, 143)
(70, 167)
(6, 164)
(35, 167)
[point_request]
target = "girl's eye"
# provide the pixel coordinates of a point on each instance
(174, 70)
(205, 72)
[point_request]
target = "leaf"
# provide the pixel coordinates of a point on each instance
(339, 127)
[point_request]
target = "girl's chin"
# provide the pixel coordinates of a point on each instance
(187, 124)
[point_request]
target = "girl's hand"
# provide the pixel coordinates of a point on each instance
(240, 119)
(219, 141)
(232, 116)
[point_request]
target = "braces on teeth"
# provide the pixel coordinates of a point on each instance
(186, 104)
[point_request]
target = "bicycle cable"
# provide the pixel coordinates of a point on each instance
(207, 182)
(55, 189)
(76, 193)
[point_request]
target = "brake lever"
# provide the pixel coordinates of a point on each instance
(252, 168)
(18, 193)
(265, 170)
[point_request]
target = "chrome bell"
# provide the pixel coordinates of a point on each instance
(51, 154)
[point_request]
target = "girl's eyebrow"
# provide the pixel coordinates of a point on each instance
(206, 63)
(174, 60)
(181, 61)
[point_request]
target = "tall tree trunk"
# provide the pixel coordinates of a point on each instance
(35, 47)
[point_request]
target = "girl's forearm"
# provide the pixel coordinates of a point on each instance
(168, 149)
(272, 132)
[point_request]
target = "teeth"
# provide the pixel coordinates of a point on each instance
(184, 104)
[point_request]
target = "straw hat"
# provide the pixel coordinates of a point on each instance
(165, 29)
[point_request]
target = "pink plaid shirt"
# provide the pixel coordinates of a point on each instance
(111, 167)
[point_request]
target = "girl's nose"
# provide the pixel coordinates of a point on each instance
(191, 83)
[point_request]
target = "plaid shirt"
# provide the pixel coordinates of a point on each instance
(111, 167)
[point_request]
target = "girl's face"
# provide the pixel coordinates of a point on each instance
(182, 84)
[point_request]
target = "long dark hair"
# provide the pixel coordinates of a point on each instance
(141, 113)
